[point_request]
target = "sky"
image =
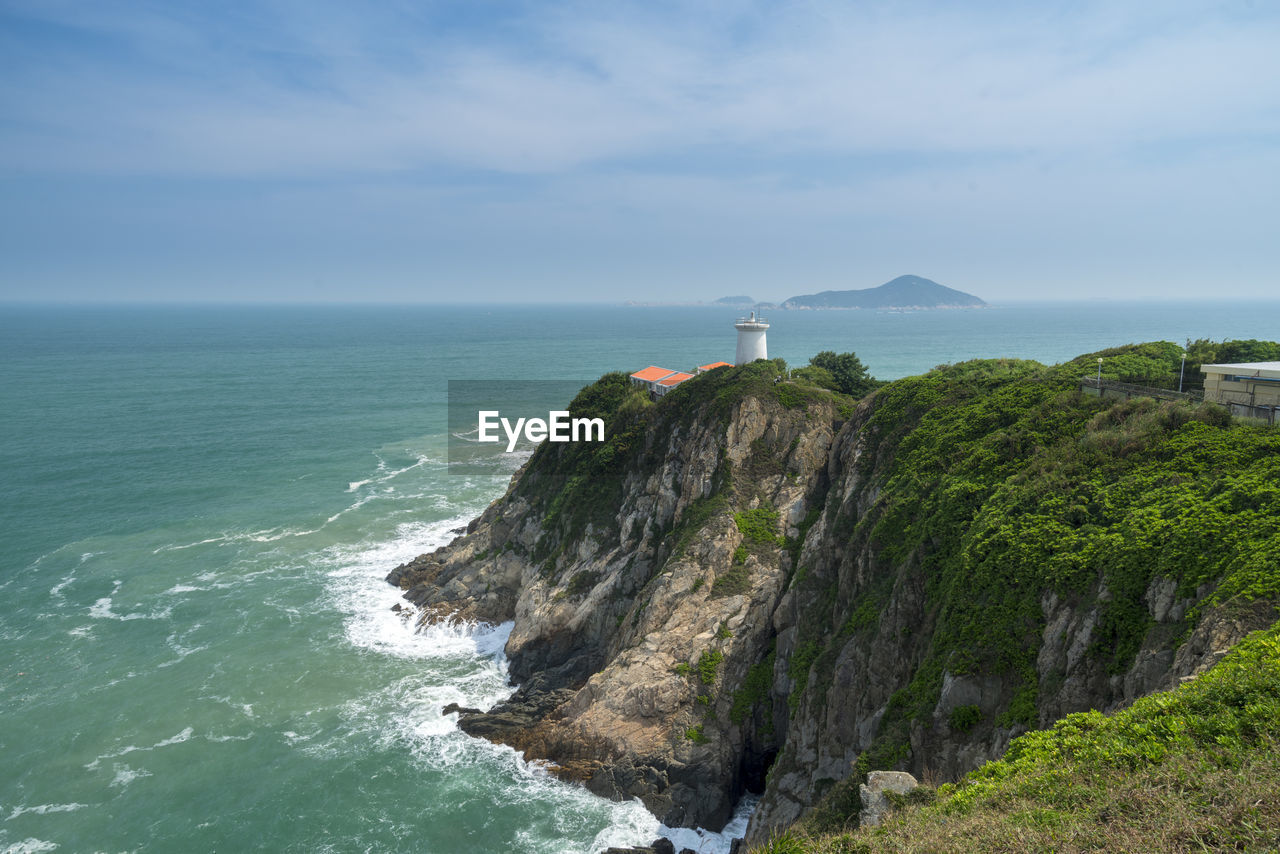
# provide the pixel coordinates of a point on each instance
(307, 150)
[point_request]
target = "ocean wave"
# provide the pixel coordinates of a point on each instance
(465, 664)
(708, 841)
(357, 587)
(103, 609)
(185, 735)
(30, 845)
(386, 474)
(266, 535)
(173, 642)
(56, 590)
(126, 775)
(44, 809)
(245, 709)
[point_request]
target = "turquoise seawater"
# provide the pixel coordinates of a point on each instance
(199, 505)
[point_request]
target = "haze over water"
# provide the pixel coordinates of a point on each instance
(201, 503)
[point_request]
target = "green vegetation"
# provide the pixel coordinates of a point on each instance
(759, 525)
(999, 481)
(1193, 769)
(695, 518)
(759, 528)
(582, 582)
(696, 735)
(708, 663)
(754, 690)
(964, 718)
(842, 372)
(733, 582)
(798, 670)
(1160, 364)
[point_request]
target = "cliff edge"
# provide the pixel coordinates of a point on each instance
(760, 585)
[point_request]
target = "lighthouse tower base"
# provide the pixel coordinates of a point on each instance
(751, 340)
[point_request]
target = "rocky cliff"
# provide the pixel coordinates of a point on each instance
(760, 585)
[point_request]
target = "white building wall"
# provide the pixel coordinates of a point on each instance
(751, 340)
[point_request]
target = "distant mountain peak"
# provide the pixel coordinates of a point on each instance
(903, 292)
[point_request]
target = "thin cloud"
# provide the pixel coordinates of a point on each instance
(597, 88)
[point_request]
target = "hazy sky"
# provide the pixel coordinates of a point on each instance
(304, 149)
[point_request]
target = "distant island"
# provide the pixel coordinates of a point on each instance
(902, 292)
(735, 301)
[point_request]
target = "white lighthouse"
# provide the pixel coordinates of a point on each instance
(751, 343)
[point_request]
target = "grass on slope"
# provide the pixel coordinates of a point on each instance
(1193, 769)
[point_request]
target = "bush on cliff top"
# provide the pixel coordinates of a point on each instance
(1196, 768)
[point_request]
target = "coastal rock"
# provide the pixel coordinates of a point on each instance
(631, 635)
(715, 609)
(875, 797)
(658, 846)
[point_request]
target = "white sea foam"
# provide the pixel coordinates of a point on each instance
(468, 668)
(631, 825)
(56, 590)
(182, 652)
(266, 535)
(172, 740)
(386, 475)
(102, 610)
(244, 708)
(44, 809)
(359, 502)
(126, 775)
(710, 842)
(185, 735)
(30, 845)
(357, 587)
(177, 548)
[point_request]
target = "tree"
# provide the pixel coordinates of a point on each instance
(848, 372)
(814, 375)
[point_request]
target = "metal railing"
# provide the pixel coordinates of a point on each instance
(1115, 388)
(1128, 390)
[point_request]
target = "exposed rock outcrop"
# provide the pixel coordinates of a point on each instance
(875, 794)
(722, 599)
(636, 628)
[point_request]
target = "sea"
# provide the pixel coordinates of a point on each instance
(199, 505)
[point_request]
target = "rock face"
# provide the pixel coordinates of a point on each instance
(636, 628)
(875, 800)
(701, 608)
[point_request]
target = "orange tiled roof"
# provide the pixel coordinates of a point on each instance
(714, 365)
(653, 372)
(675, 379)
